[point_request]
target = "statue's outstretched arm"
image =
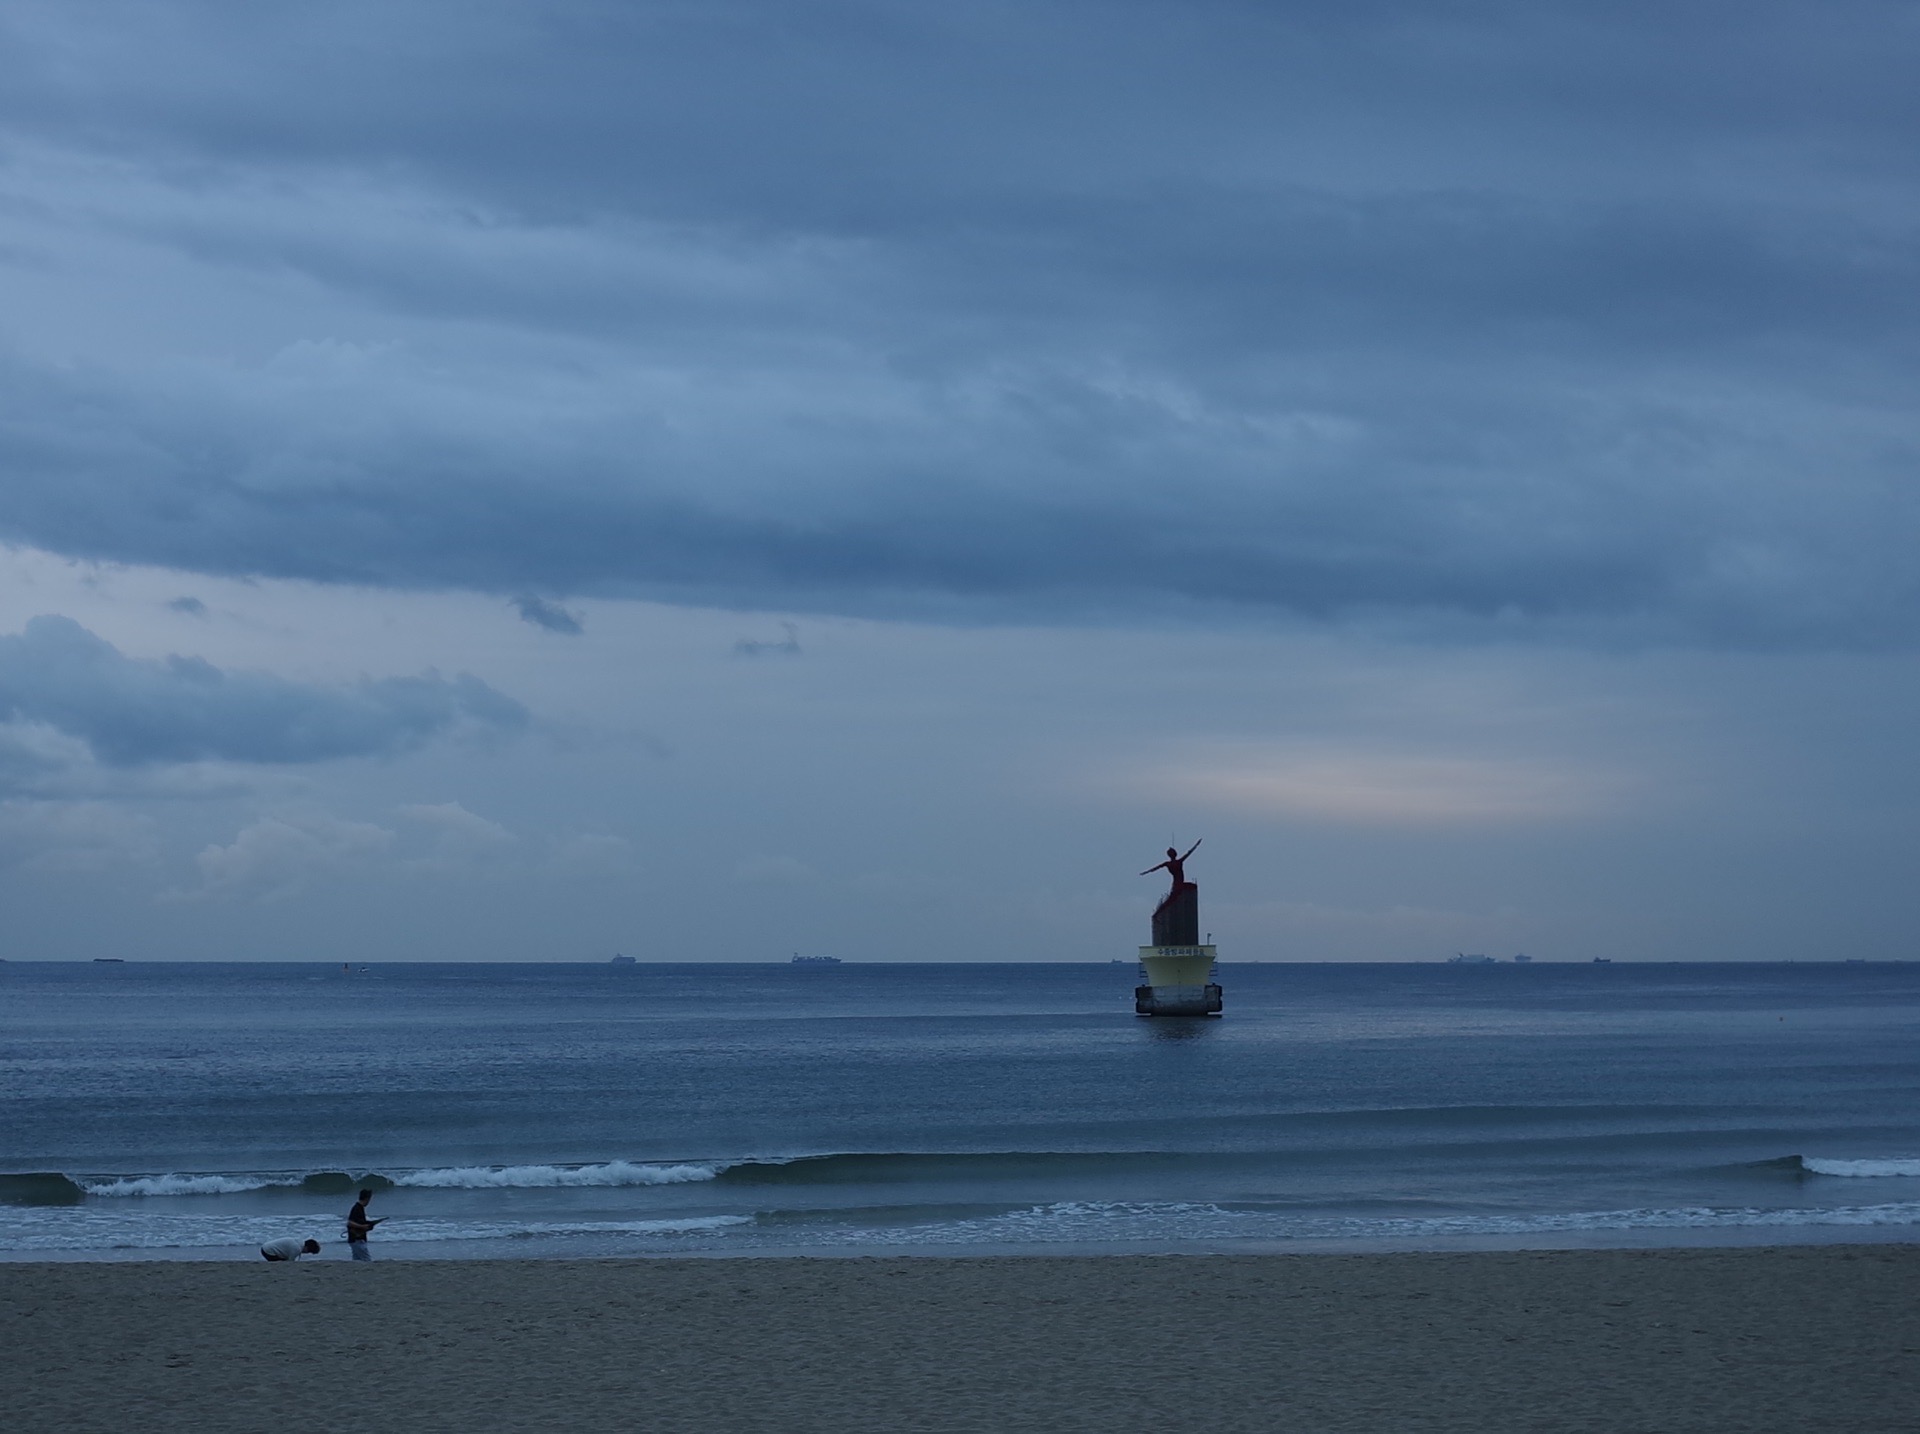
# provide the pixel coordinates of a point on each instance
(1191, 850)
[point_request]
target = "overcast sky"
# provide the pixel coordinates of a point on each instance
(530, 479)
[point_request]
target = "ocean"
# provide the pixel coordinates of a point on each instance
(175, 1110)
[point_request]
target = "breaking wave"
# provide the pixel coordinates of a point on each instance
(176, 1185)
(851, 1168)
(1901, 1166)
(895, 1167)
(55, 1188)
(554, 1177)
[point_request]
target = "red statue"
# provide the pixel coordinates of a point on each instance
(1175, 866)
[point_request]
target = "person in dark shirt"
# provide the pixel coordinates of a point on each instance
(359, 1226)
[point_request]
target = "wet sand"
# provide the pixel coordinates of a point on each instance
(1783, 1341)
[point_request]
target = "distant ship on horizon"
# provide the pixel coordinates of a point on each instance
(800, 960)
(619, 960)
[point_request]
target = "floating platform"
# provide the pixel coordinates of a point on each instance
(1179, 982)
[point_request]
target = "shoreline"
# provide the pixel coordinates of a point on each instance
(561, 1249)
(1819, 1338)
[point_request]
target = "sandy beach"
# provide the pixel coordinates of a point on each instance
(1790, 1339)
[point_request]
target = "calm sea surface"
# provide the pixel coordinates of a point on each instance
(153, 1109)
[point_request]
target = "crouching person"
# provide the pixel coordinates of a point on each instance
(288, 1249)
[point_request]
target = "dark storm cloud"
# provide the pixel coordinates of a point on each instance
(132, 712)
(881, 114)
(551, 616)
(1508, 313)
(788, 646)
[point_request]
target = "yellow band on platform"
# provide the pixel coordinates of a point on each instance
(1177, 965)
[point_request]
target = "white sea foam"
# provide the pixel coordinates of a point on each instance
(551, 1177)
(685, 1225)
(74, 1228)
(176, 1185)
(1121, 1222)
(1819, 1165)
(136, 1225)
(1684, 1218)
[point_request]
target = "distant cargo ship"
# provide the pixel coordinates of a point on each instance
(816, 961)
(622, 961)
(1465, 960)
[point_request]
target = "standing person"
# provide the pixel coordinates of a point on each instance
(288, 1249)
(359, 1226)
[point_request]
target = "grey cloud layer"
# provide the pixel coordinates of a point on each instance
(1507, 312)
(132, 712)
